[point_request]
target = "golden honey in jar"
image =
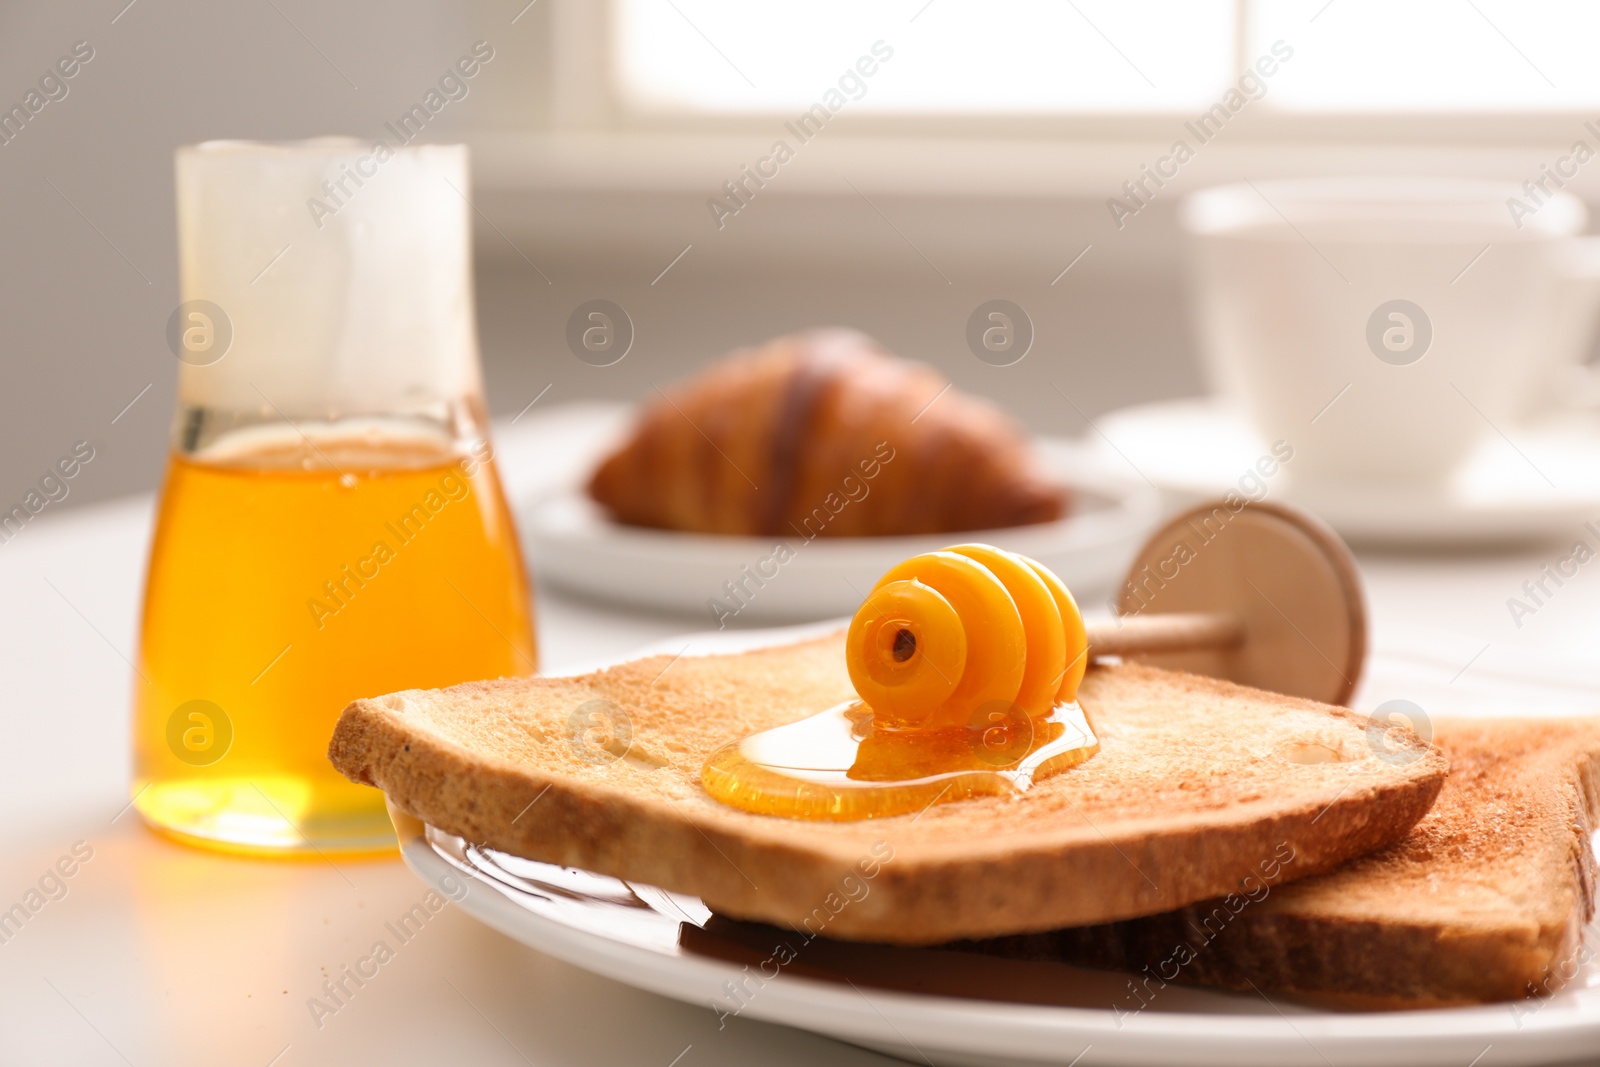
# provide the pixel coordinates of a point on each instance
(287, 580)
(332, 525)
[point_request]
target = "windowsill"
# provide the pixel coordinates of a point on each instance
(606, 192)
(971, 166)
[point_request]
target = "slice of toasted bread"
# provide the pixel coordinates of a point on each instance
(1485, 899)
(1199, 785)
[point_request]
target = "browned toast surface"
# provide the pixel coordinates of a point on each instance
(1199, 785)
(1485, 899)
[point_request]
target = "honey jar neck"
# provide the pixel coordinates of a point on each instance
(322, 282)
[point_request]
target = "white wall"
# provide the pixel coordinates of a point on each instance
(86, 286)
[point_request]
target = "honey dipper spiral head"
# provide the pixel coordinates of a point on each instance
(946, 633)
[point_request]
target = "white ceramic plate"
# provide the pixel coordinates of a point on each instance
(575, 547)
(1536, 483)
(942, 1006)
(947, 1007)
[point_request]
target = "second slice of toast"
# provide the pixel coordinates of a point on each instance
(1201, 788)
(1485, 899)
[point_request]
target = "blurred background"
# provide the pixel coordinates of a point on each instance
(976, 162)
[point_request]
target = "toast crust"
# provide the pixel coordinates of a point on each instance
(1485, 899)
(1191, 794)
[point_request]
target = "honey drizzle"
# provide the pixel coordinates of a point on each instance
(835, 765)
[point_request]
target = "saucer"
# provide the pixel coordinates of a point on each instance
(1533, 484)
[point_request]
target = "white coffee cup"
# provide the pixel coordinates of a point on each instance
(1385, 326)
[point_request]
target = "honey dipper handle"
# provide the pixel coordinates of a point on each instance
(1290, 584)
(1182, 631)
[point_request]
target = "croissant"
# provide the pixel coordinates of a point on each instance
(824, 434)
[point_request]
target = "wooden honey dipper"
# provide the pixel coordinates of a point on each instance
(1266, 596)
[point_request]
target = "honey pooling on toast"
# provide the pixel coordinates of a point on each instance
(967, 663)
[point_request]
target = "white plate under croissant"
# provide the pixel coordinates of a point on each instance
(574, 546)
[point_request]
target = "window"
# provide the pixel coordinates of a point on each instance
(1434, 55)
(1105, 57)
(952, 56)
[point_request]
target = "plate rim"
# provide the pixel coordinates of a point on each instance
(958, 1025)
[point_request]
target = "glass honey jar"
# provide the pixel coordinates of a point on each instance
(332, 525)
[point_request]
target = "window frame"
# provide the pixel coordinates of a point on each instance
(585, 99)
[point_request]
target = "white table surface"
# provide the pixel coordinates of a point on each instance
(161, 954)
